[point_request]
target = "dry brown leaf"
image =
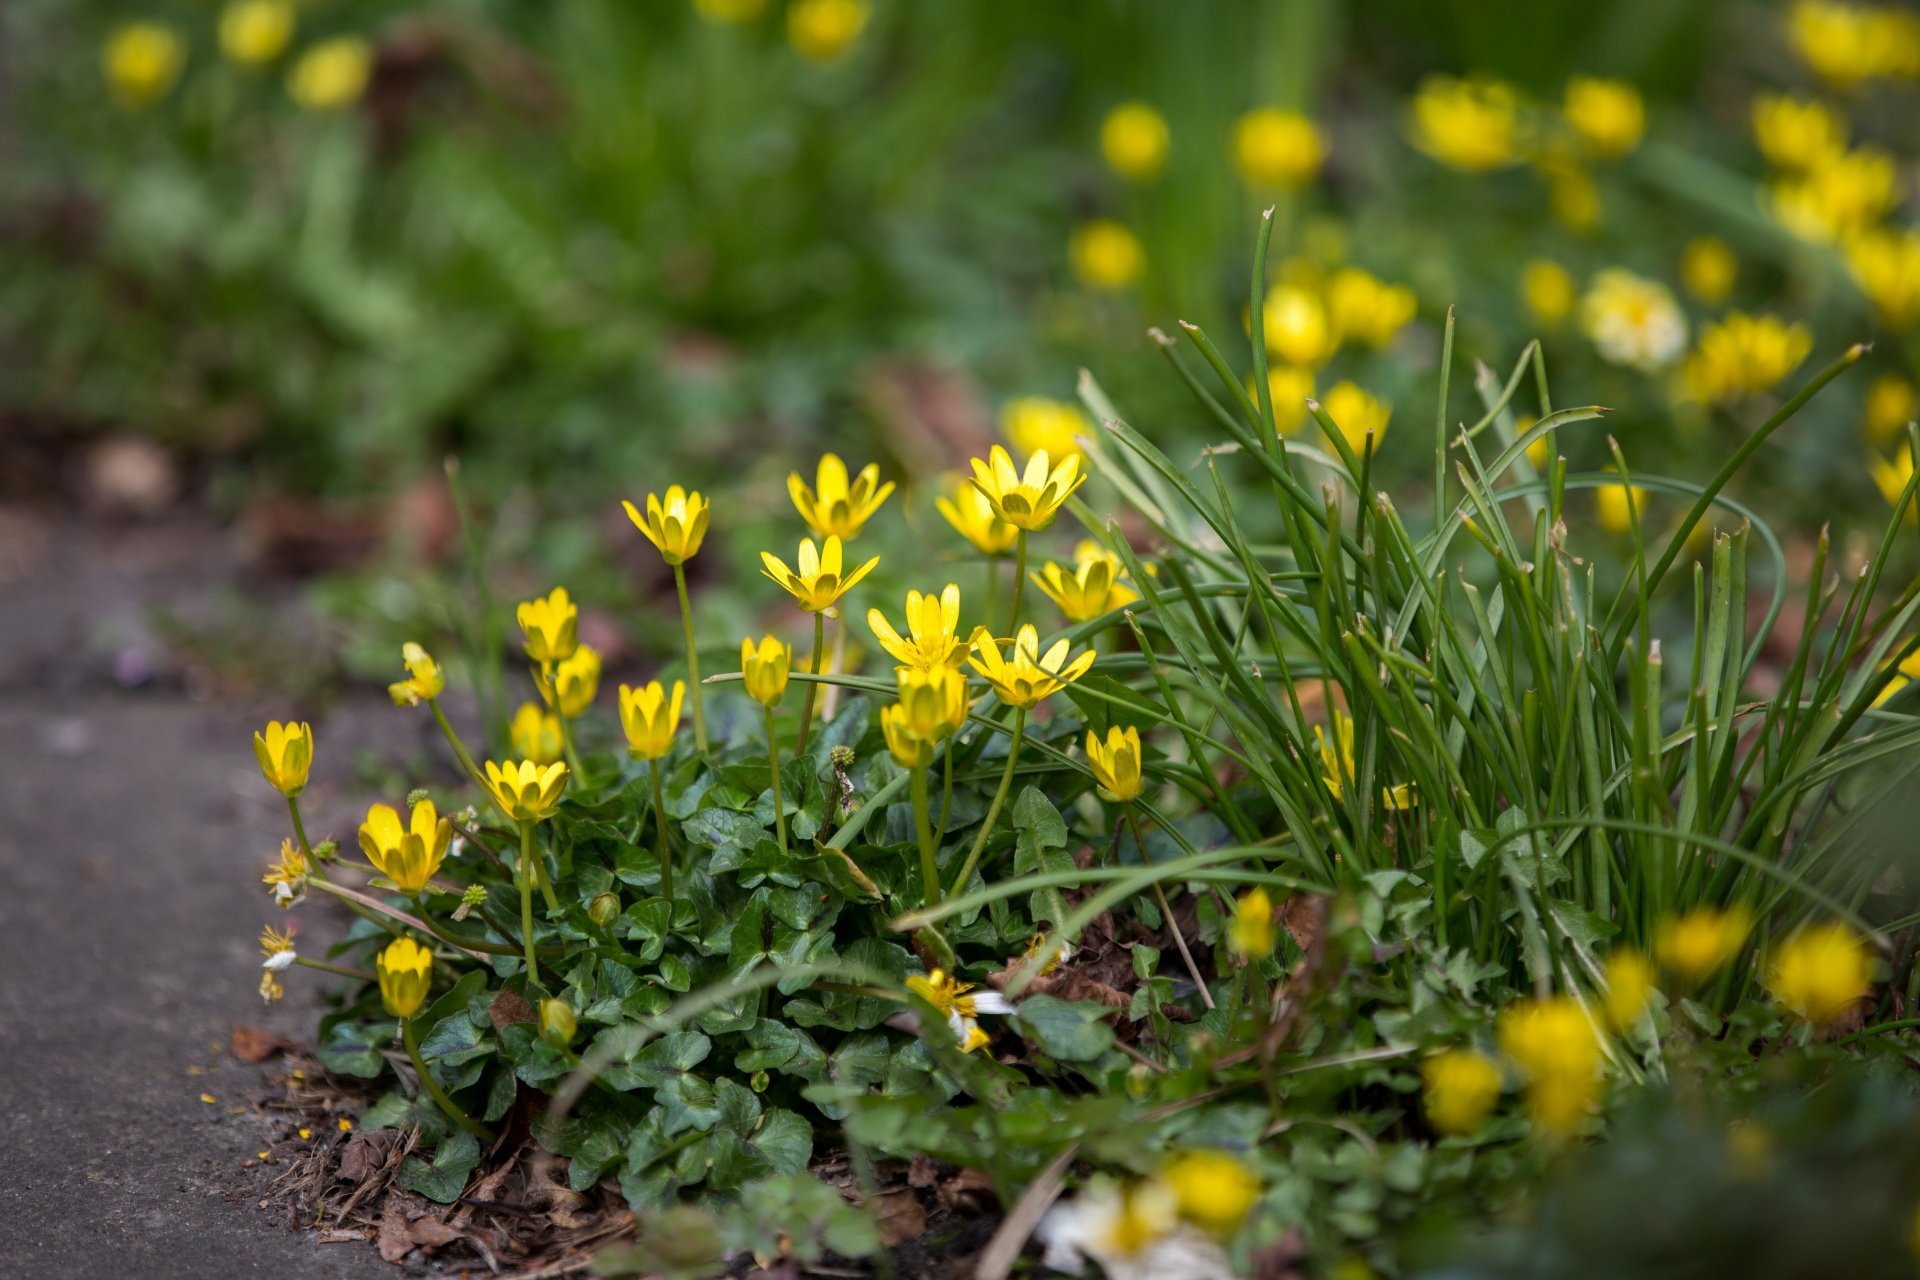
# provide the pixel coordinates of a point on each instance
(507, 1009)
(899, 1216)
(967, 1191)
(251, 1044)
(396, 1236)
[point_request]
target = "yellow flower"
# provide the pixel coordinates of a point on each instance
(676, 526)
(1846, 44)
(1886, 266)
(1087, 591)
(1633, 321)
(1337, 768)
(576, 680)
(552, 626)
(407, 855)
(526, 792)
(1608, 115)
(908, 751)
(1356, 412)
(1289, 387)
(1891, 405)
(535, 734)
(1797, 134)
(1611, 503)
(275, 943)
(1276, 148)
(1213, 1189)
(1025, 677)
(1116, 763)
(837, 508)
(1548, 290)
(142, 60)
(818, 584)
(558, 1022)
(285, 752)
(1743, 355)
(1293, 321)
(1892, 474)
(1907, 672)
(1821, 972)
(255, 31)
(331, 74)
(822, 30)
(974, 517)
(956, 1002)
(425, 680)
(1033, 423)
(729, 11)
(1842, 195)
(765, 668)
(1553, 1042)
(1367, 310)
(1629, 985)
(930, 641)
(1694, 946)
(1573, 196)
(1027, 500)
(1460, 1088)
(1250, 933)
(1708, 269)
(406, 971)
(1106, 256)
(933, 702)
(650, 718)
(288, 876)
(1471, 125)
(1131, 1229)
(1133, 138)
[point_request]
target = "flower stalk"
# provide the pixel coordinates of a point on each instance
(662, 849)
(526, 877)
(432, 1089)
(999, 799)
(813, 686)
(923, 829)
(693, 657)
(773, 767)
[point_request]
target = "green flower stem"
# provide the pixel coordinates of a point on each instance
(831, 702)
(999, 797)
(929, 865)
(773, 767)
(342, 970)
(432, 1089)
(543, 880)
(946, 792)
(662, 849)
(566, 742)
(300, 833)
(993, 589)
(453, 740)
(1019, 581)
(1160, 895)
(525, 878)
(813, 686)
(693, 658)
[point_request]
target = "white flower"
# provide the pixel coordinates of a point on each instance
(1633, 321)
(279, 960)
(1134, 1232)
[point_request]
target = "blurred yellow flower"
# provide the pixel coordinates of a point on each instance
(525, 791)
(255, 31)
(1617, 504)
(1091, 588)
(285, 752)
(1289, 387)
(1134, 139)
(1797, 134)
(973, 516)
(1365, 309)
(729, 10)
(649, 718)
(1357, 413)
(930, 641)
(823, 30)
(821, 579)
(908, 751)
(1251, 934)
(1555, 1045)
(1025, 677)
(1460, 1088)
(551, 624)
(1694, 946)
(1033, 423)
(1294, 324)
(1471, 125)
(1337, 767)
(1547, 289)
(932, 706)
(1212, 1189)
(425, 680)
(1708, 269)
(1632, 320)
(576, 679)
(1846, 44)
(332, 74)
(406, 973)
(675, 526)
(1845, 194)
(535, 734)
(765, 668)
(1630, 981)
(1742, 355)
(834, 507)
(558, 1022)
(1276, 148)
(1116, 762)
(1907, 672)
(407, 855)
(1891, 404)
(142, 60)
(1821, 971)
(1886, 265)
(1608, 115)
(1106, 256)
(1574, 197)
(1031, 499)
(1892, 474)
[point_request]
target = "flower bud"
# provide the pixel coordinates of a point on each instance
(604, 909)
(557, 1023)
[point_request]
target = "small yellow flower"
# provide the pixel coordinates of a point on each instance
(1886, 265)
(1460, 1088)
(289, 875)
(285, 752)
(1846, 44)
(1367, 310)
(535, 734)
(1122, 1226)
(1891, 475)
(1357, 413)
(270, 990)
(974, 517)
(1091, 589)
(1838, 197)
(765, 668)
(1025, 678)
(818, 584)
(142, 60)
(934, 701)
(823, 30)
(1821, 972)
(729, 11)
(1548, 290)
(837, 508)
(1251, 933)
(1116, 763)
(1797, 134)
(552, 626)
(1470, 125)
(1743, 355)
(930, 641)
(425, 680)
(1617, 505)
(674, 526)
(1294, 324)
(255, 31)
(407, 855)
(1289, 387)
(526, 792)
(1027, 500)
(1708, 269)
(406, 971)
(1630, 980)
(1337, 767)
(1134, 139)
(1695, 946)
(957, 1003)
(1573, 196)
(1891, 404)
(1213, 1189)
(331, 74)
(1276, 148)
(558, 1022)
(1034, 423)
(1633, 321)
(650, 717)
(1106, 256)
(909, 752)
(576, 679)
(1608, 115)
(1553, 1042)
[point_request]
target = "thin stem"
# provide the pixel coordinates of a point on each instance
(342, 970)
(946, 792)
(831, 702)
(543, 880)
(773, 765)
(300, 831)
(453, 739)
(525, 877)
(813, 686)
(432, 1089)
(661, 848)
(693, 658)
(999, 798)
(566, 740)
(1019, 581)
(992, 568)
(929, 865)
(1160, 895)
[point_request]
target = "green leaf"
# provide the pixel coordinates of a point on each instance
(444, 1179)
(1072, 1031)
(786, 1140)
